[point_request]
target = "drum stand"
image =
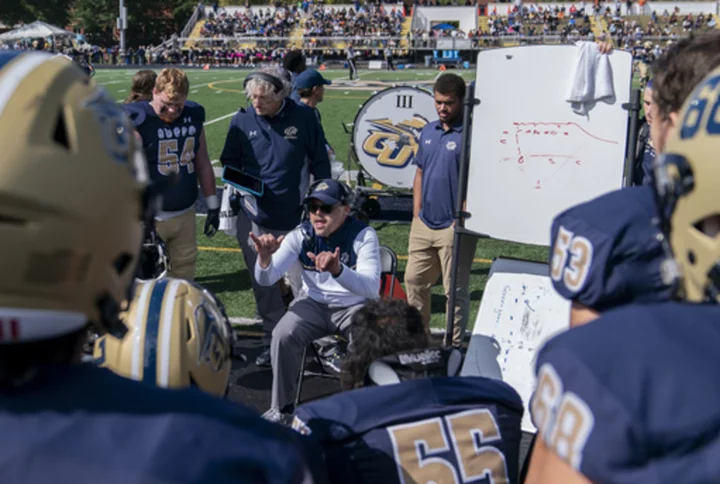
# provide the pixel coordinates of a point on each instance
(366, 197)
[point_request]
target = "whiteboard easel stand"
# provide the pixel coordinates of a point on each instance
(633, 108)
(469, 104)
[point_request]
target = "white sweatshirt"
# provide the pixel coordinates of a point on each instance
(353, 285)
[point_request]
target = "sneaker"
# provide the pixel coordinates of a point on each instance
(332, 362)
(264, 358)
(276, 416)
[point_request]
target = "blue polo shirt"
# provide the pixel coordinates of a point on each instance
(278, 149)
(439, 158)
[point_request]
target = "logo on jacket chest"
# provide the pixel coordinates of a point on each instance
(291, 132)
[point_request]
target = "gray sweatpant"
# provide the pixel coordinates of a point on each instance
(269, 299)
(305, 321)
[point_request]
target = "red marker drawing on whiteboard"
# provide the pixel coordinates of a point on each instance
(542, 148)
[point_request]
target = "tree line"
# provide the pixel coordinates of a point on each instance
(149, 21)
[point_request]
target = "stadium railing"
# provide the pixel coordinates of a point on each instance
(366, 43)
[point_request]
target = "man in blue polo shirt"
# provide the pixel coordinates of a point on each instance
(278, 141)
(435, 189)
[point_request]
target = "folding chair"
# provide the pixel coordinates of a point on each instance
(389, 288)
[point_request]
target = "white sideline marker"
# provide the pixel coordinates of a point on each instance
(213, 121)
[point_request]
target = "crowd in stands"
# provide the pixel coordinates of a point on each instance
(358, 21)
(528, 23)
(262, 23)
(366, 25)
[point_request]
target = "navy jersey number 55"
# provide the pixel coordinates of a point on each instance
(170, 149)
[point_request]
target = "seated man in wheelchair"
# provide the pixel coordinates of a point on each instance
(340, 257)
(409, 417)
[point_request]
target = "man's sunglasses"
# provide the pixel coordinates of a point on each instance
(323, 207)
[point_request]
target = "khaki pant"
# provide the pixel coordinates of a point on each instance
(178, 233)
(429, 255)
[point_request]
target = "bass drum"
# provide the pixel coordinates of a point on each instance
(386, 133)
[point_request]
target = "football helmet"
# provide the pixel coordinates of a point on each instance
(686, 179)
(178, 336)
(73, 195)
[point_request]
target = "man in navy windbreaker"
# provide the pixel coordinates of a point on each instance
(280, 142)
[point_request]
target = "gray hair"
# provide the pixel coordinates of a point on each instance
(255, 85)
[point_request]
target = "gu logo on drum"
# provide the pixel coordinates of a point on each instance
(393, 145)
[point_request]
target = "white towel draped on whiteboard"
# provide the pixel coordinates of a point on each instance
(592, 79)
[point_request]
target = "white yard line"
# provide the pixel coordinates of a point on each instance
(111, 82)
(213, 121)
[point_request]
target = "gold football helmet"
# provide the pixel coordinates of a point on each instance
(73, 195)
(178, 336)
(687, 179)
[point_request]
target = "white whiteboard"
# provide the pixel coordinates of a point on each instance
(518, 313)
(531, 156)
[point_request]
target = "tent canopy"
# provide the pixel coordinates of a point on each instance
(444, 27)
(35, 30)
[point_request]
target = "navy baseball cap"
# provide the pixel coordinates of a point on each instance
(328, 191)
(608, 252)
(309, 79)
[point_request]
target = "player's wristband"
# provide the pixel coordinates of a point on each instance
(212, 202)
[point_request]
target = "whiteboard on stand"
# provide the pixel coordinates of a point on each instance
(531, 155)
(518, 314)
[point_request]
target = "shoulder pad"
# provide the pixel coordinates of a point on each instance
(410, 365)
(608, 251)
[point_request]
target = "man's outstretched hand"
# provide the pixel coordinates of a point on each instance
(265, 246)
(327, 261)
